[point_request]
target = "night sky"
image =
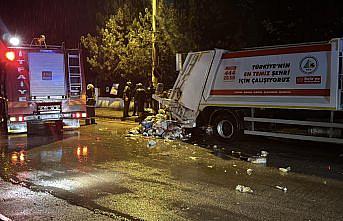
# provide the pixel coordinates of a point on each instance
(58, 20)
(229, 24)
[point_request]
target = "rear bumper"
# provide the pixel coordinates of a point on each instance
(70, 121)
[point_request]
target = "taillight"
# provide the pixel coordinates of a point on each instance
(10, 55)
(77, 115)
(18, 119)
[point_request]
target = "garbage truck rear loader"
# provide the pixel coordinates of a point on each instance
(291, 91)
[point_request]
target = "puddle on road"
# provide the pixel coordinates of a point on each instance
(62, 166)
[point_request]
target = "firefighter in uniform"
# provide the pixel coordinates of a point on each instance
(149, 93)
(90, 103)
(127, 95)
(140, 99)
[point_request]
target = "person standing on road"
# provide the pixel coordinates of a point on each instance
(127, 95)
(90, 103)
(140, 98)
(149, 93)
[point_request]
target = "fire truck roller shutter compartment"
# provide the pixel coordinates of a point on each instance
(47, 74)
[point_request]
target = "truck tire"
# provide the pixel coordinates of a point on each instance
(226, 127)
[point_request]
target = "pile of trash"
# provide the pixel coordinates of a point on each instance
(159, 125)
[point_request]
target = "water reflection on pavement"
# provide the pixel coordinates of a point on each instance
(100, 169)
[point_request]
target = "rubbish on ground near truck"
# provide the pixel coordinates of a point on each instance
(257, 160)
(160, 126)
(284, 189)
(151, 144)
(285, 170)
(244, 189)
(264, 153)
(236, 153)
(249, 171)
(134, 130)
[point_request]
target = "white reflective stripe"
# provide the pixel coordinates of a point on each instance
(294, 136)
(293, 122)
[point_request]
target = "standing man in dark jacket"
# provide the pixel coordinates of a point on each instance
(127, 95)
(90, 103)
(140, 99)
(149, 93)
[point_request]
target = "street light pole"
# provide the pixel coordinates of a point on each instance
(153, 38)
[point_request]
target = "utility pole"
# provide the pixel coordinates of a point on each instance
(153, 38)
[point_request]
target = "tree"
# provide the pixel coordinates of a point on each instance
(123, 46)
(107, 49)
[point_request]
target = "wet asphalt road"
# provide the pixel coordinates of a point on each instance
(96, 173)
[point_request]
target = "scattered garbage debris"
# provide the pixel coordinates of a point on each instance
(14, 181)
(244, 189)
(264, 153)
(258, 160)
(134, 130)
(285, 170)
(193, 158)
(151, 144)
(160, 126)
(210, 166)
(249, 171)
(284, 189)
(236, 154)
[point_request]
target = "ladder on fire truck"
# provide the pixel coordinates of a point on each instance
(74, 71)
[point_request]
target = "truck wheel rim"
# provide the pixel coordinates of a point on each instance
(225, 129)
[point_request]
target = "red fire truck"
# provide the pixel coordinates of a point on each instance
(41, 87)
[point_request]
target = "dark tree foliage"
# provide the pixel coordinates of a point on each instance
(235, 24)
